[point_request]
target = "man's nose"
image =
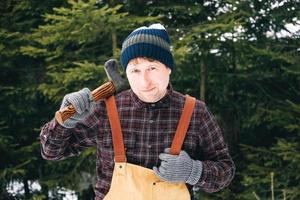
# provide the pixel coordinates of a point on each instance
(145, 80)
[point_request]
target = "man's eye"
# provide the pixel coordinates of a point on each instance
(135, 71)
(152, 68)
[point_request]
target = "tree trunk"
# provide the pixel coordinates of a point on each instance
(202, 79)
(26, 188)
(230, 116)
(112, 3)
(114, 43)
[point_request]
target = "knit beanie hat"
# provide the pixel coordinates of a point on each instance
(151, 42)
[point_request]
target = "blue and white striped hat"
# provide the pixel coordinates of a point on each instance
(151, 42)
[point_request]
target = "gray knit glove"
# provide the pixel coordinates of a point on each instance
(83, 104)
(178, 168)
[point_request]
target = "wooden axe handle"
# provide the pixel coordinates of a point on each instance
(103, 91)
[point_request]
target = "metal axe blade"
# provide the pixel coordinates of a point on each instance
(111, 68)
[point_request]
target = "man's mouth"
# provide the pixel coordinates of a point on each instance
(148, 90)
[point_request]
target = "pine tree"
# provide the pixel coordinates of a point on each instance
(22, 106)
(72, 44)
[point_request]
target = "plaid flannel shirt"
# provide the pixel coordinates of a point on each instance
(148, 128)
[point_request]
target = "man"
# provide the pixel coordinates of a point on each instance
(149, 116)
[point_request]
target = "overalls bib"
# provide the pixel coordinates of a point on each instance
(133, 182)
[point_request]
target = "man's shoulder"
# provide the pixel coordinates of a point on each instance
(123, 97)
(179, 98)
(123, 94)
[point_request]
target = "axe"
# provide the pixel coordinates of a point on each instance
(115, 83)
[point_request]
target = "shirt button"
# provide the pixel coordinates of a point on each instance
(149, 146)
(151, 121)
(153, 105)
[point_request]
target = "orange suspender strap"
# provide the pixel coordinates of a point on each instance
(117, 135)
(183, 125)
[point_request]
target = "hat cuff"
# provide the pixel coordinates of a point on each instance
(149, 51)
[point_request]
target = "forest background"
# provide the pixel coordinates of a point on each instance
(239, 56)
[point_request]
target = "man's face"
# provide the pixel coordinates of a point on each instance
(148, 79)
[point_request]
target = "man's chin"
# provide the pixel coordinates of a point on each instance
(149, 99)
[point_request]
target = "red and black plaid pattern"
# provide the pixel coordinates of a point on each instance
(148, 128)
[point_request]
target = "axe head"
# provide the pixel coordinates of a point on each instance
(112, 71)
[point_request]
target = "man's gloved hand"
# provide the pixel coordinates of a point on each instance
(178, 168)
(83, 104)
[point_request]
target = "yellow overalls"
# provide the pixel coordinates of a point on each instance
(133, 182)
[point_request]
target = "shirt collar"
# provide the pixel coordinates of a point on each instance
(163, 103)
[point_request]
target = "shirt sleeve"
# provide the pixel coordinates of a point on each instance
(58, 142)
(218, 166)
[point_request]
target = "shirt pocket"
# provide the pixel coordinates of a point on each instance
(129, 141)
